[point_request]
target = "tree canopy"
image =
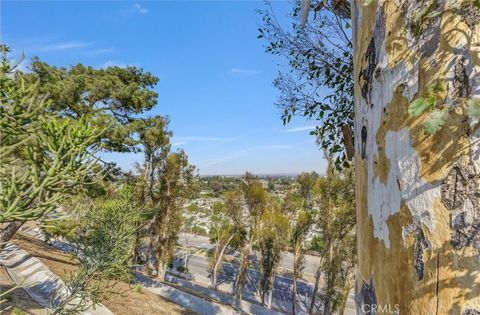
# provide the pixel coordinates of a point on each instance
(113, 97)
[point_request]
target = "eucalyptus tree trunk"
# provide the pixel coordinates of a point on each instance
(270, 292)
(161, 271)
(311, 308)
(297, 256)
(418, 203)
(330, 282)
(242, 271)
(219, 251)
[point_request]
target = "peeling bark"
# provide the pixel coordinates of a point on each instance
(471, 312)
(241, 276)
(461, 196)
(418, 195)
(219, 251)
(420, 245)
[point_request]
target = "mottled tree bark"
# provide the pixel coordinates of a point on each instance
(418, 213)
(270, 292)
(297, 255)
(162, 270)
(315, 289)
(219, 251)
(241, 275)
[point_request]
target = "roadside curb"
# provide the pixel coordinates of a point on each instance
(36, 278)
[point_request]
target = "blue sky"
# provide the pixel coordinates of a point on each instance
(215, 78)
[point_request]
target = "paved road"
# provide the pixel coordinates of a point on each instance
(198, 241)
(199, 265)
(282, 298)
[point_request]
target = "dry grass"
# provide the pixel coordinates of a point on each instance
(132, 302)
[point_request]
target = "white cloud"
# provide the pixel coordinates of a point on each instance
(113, 63)
(45, 45)
(135, 9)
(102, 50)
(70, 45)
(140, 9)
(176, 144)
(300, 129)
(244, 72)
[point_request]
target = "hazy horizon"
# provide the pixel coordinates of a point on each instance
(215, 77)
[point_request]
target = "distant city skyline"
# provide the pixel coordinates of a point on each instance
(215, 78)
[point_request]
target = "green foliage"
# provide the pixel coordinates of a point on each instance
(299, 204)
(103, 240)
(271, 186)
(255, 196)
(83, 290)
(434, 102)
(317, 244)
(139, 289)
(217, 185)
(256, 200)
(112, 96)
(418, 106)
(65, 227)
(475, 3)
(193, 208)
(165, 182)
(429, 100)
(473, 108)
(17, 311)
(318, 82)
(435, 122)
(335, 240)
(44, 156)
(106, 239)
(226, 229)
(199, 230)
(232, 207)
(5, 296)
(306, 183)
(274, 228)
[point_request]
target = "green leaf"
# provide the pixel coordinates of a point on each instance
(473, 108)
(435, 122)
(417, 106)
(439, 87)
